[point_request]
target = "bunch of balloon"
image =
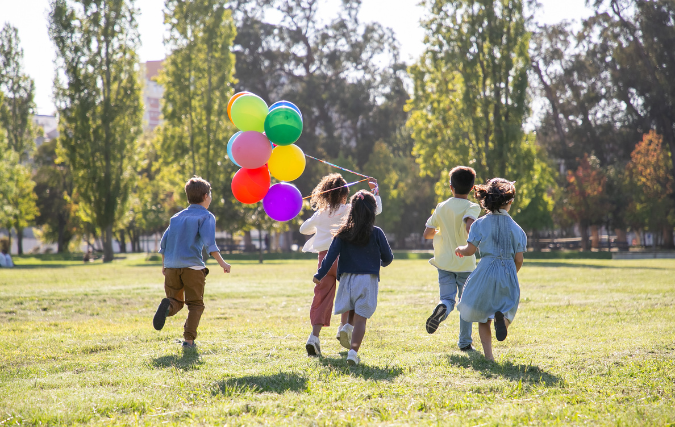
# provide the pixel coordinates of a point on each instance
(264, 145)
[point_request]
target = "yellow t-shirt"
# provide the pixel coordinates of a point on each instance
(448, 219)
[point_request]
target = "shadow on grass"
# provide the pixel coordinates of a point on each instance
(275, 383)
(526, 373)
(186, 361)
(375, 373)
(536, 263)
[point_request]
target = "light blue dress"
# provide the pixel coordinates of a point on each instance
(493, 285)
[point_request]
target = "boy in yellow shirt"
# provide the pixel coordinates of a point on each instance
(449, 227)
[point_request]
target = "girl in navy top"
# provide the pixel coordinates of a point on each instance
(362, 249)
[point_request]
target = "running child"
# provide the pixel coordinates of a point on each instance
(362, 249)
(329, 200)
(449, 227)
(189, 231)
(492, 291)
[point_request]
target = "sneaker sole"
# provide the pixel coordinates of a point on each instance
(500, 326)
(434, 320)
(160, 316)
(311, 351)
(345, 340)
(351, 362)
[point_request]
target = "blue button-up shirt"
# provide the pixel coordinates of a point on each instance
(189, 231)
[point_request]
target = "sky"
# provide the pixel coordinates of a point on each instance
(403, 16)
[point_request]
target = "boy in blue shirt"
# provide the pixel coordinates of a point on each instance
(189, 231)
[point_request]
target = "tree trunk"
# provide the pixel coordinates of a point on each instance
(260, 246)
(123, 242)
(595, 237)
(248, 242)
(583, 229)
(621, 239)
(19, 241)
(668, 237)
(60, 238)
(107, 238)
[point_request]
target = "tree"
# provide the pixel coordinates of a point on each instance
(585, 201)
(98, 99)
(470, 97)
(652, 186)
(642, 33)
(55, 197)
(19, 89)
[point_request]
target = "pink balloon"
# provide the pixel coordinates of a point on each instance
(251, 149)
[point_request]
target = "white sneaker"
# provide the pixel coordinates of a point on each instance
(313, 346)
(353, 358)
(346, 335)
(337, 335)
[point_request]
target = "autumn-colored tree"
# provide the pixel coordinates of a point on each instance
(584, 200)
(652, 203)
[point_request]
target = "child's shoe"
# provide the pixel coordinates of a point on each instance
(500, 326)
(337, 336)
(435, 319)
(346, 335)
(188, 346)
(160, 316)
(353, 358)
(313, 346)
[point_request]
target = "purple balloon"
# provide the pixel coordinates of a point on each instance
(283, 202)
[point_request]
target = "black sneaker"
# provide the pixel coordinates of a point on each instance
(468, 348)
(160, 315)
(500, 326)
(435, 319)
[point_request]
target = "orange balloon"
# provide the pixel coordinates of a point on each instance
(229, 104)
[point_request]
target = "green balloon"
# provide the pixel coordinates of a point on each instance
(283, 126)
(249, 112)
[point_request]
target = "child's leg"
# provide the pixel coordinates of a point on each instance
(486, 339)
(359, 331)
(344, 319)
(464, 326)
(324, 294)
(173, 287)
(350, 316)
(194, 281)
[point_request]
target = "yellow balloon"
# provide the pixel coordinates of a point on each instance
(287, 162)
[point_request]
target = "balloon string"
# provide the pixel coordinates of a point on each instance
(338, 167)
(336, 188)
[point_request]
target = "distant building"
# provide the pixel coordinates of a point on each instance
(152, 95)
(49, 125)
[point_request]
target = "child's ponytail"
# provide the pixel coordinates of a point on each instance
(358, 226)
(495, 193)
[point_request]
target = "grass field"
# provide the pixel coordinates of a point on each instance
(593, 344)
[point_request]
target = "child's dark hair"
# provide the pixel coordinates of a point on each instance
(358, 226)
(495, 193)
(330, 200)
(196, 189)
(462, 179)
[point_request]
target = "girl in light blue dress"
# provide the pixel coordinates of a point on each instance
(492, 291)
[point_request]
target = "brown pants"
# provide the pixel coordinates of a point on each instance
(186, 286)
(324, 294)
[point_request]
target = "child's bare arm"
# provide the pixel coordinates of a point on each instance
(519, 261)
(225, 266)
(466, 250)
(429, 233)
(468, 222)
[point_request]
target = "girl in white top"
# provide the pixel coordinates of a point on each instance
(331, 209)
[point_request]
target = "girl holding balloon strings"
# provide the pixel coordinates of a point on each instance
(362, 249)
(329, 200)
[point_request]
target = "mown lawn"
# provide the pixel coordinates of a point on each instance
(593, 344)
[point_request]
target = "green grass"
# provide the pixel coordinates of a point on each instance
(593, 344)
